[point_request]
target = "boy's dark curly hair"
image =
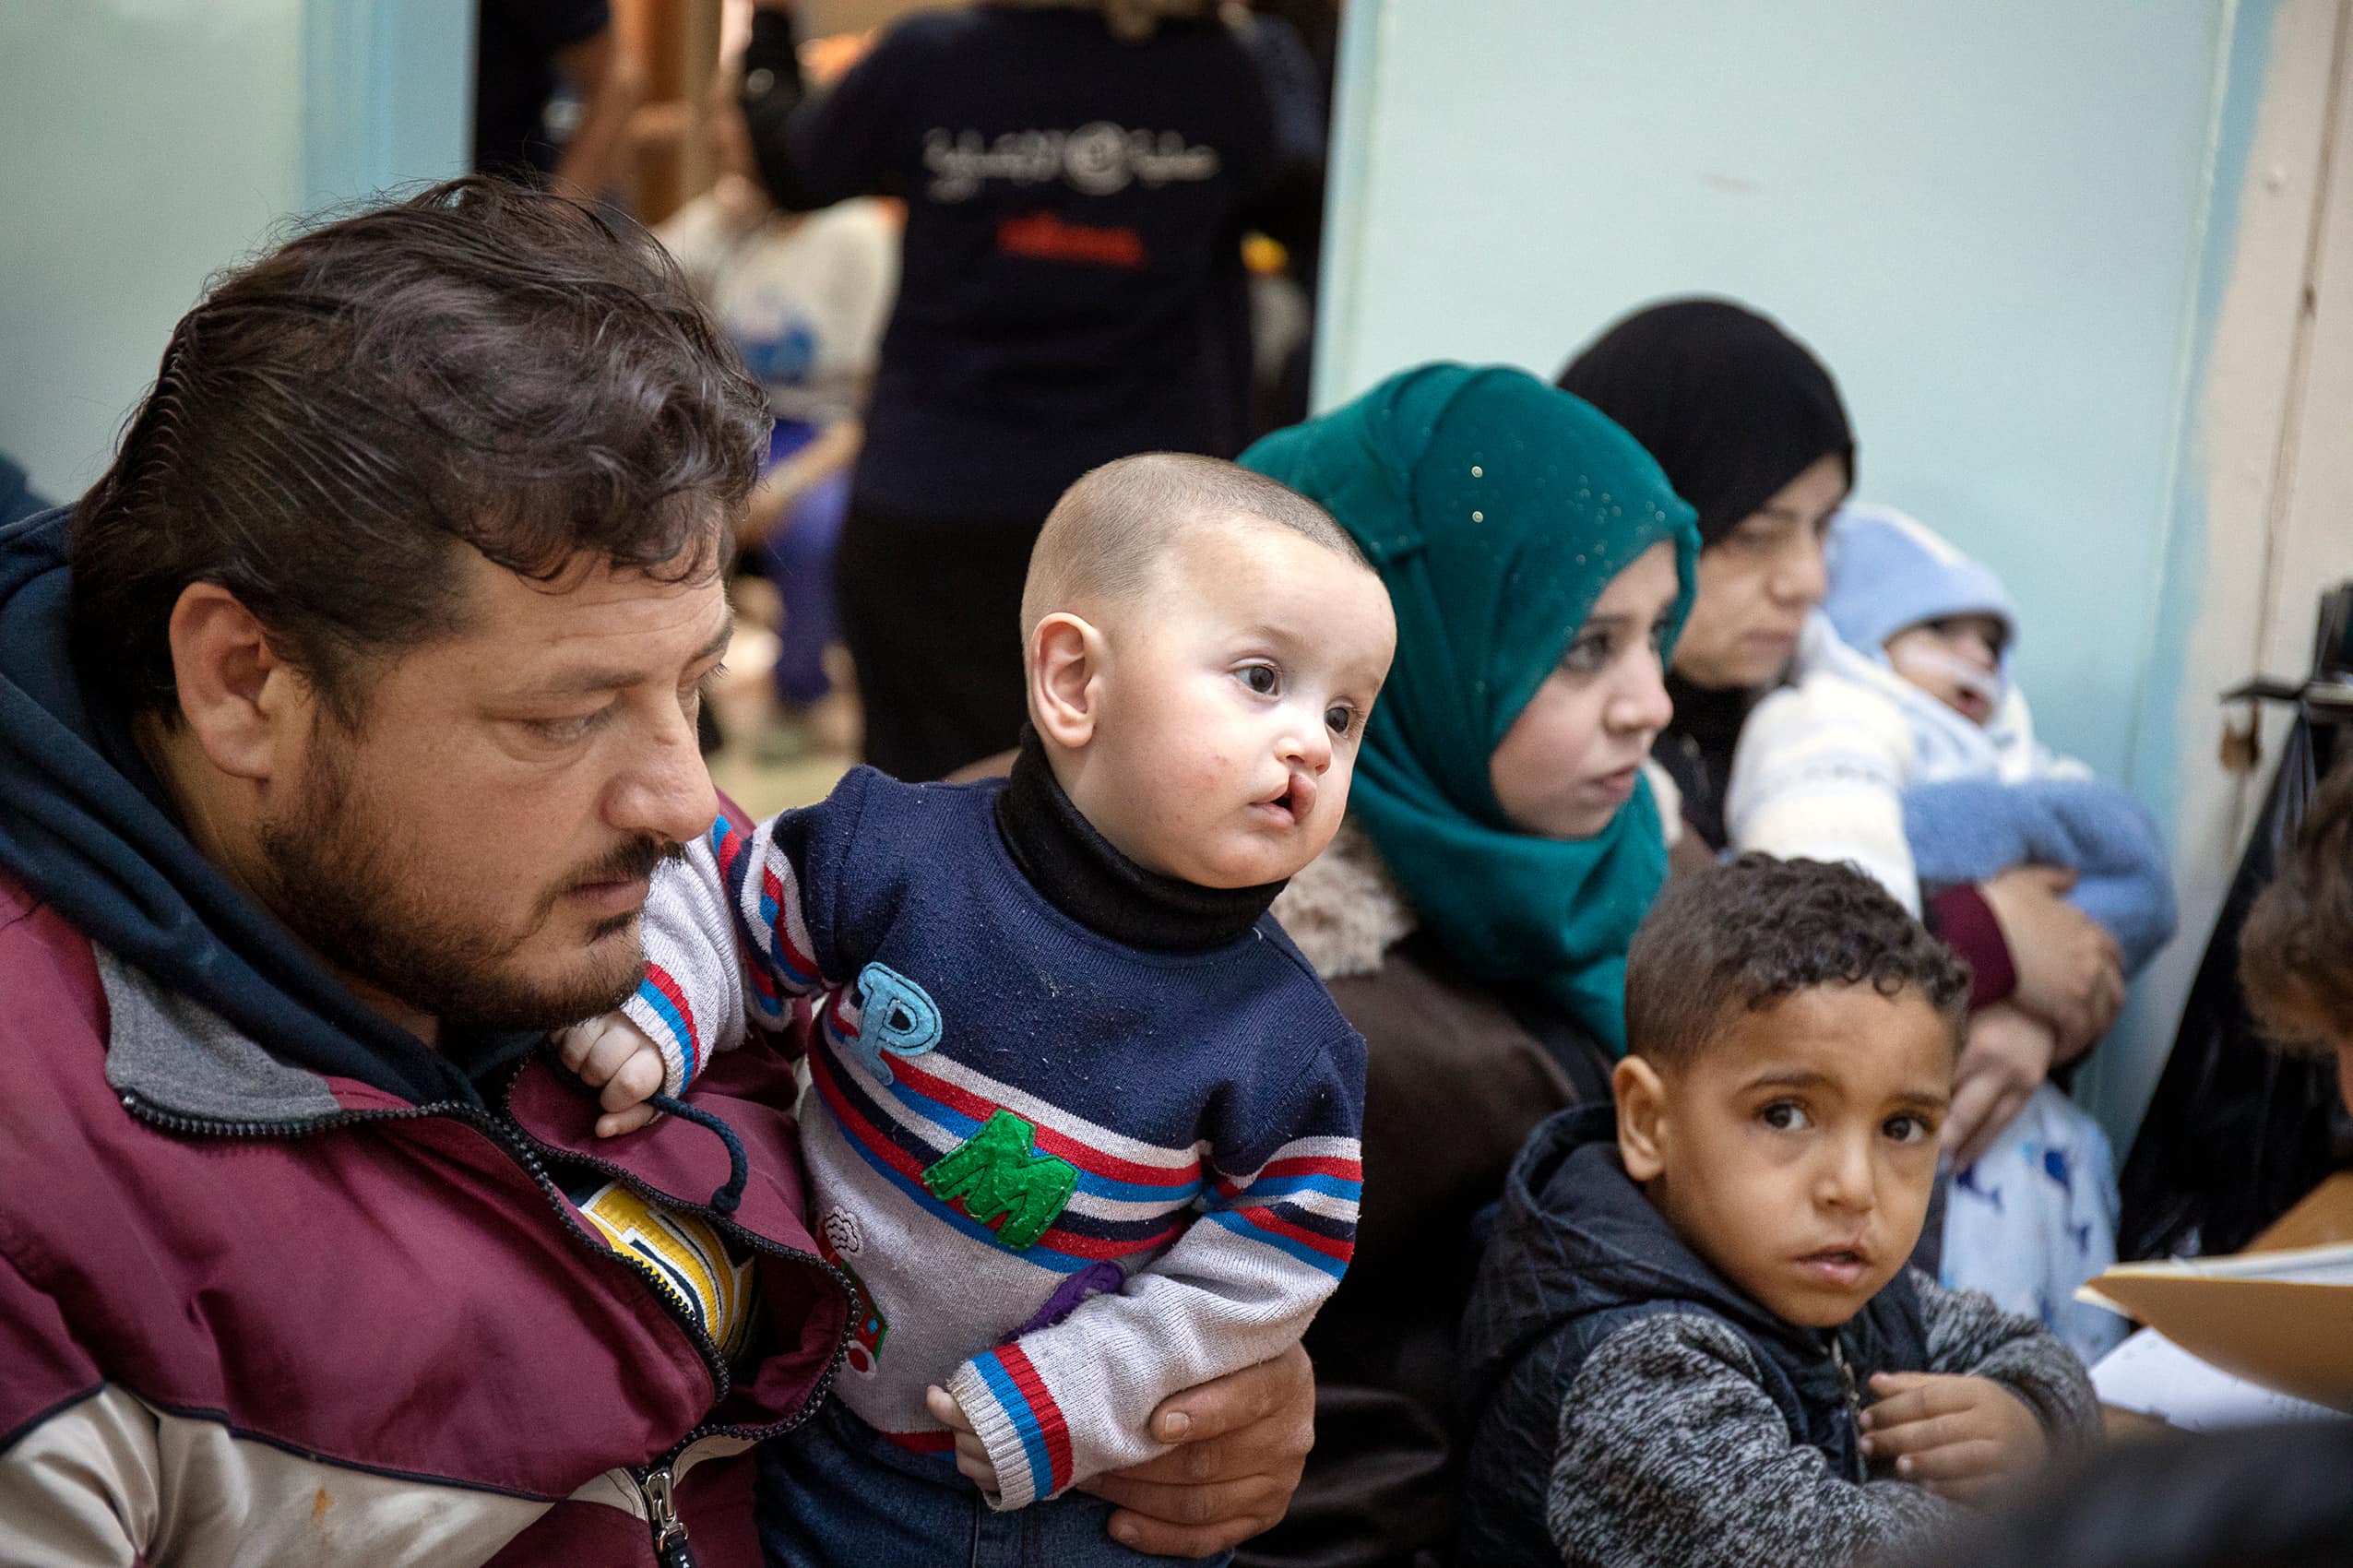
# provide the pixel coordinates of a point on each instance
(1741, 935)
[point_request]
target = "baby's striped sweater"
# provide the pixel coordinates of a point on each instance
(1069, 1176)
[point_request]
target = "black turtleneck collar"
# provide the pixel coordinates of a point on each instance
(1081, 875)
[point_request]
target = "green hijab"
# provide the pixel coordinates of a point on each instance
(1497, 509)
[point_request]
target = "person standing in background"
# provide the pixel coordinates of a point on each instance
(1078, 177)
(803, 299)
(524, 51)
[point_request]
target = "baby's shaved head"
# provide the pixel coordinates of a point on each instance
(1109, 531)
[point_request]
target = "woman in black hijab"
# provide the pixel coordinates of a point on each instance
(1749, 427)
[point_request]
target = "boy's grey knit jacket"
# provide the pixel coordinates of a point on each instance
(1631, 1408)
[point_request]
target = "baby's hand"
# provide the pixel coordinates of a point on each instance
(1958, 1436)
(972, 1454)
(615, 1054)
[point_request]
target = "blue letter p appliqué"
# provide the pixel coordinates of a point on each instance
(894, 1014)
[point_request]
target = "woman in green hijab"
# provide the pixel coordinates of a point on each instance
(1506, 836)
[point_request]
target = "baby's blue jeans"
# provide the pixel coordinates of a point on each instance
(835, 1493)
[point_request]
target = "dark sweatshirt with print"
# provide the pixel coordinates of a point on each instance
(1072, 285)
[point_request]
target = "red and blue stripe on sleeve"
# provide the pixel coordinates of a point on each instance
(1303, 1202)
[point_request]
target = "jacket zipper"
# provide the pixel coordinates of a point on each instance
(1854, 1403)
(672, 1548)
(656, 1482)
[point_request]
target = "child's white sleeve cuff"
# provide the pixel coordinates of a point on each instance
(1017, 1422)
(664, 1020)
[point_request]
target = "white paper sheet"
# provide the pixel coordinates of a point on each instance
(2152, 1376)
(2331, 1264)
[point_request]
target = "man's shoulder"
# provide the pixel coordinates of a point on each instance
(17, 901)
(53, 1031)
(47, 967)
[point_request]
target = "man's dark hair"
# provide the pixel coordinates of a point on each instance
(1738, 937)
(2296, 950)
(482, 365)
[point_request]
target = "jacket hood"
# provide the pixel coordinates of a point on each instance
(1576, 1239)
(86, 826)
(1888, 571)
(1579, 1257)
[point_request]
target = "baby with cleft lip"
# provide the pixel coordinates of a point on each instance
(1694, 1340)
(1083, 1124)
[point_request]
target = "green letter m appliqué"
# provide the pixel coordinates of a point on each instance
(995, 1172)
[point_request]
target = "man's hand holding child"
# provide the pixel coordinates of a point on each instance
(1239, 1444)
(1958, 1436)
(612, 1054)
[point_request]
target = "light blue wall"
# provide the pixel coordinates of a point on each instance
(1996, 222)
(389, 94)
(151, 142)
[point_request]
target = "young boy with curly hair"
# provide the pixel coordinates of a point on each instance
(1695, 1340)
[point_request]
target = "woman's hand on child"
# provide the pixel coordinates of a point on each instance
(972, 1453)
(614, 1054)
(2070, 970)
(2005, 1058)
(1958, 1436)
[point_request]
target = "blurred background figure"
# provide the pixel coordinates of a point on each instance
(2236, 1133)
(2296, 949)
(2269, 1497)
(1285, 274)
(1078, 179)
(803, 298)
(553, 90)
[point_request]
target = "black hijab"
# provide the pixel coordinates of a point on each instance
(1733, 408)
(1732, 405)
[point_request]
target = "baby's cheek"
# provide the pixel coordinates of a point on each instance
(1208, 773)
(1337, 781)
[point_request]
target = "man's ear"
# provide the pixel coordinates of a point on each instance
(236, 694)
(1642, 1117)
(1065, 670)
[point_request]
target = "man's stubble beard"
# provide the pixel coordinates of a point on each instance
(337, 883)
